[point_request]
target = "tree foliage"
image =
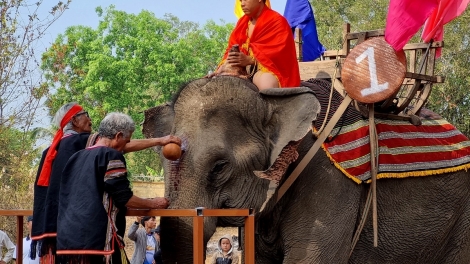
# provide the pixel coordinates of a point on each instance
(129, 64)
(21, 92)
(451, 99)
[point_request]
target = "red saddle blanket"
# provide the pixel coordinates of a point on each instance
(405, 150)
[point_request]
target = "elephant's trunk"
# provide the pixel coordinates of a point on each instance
(177, 238)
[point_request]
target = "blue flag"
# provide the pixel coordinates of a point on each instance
(299, 14)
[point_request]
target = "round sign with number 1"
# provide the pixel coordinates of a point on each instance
(373, 71)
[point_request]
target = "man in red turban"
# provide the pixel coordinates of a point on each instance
(266, 45)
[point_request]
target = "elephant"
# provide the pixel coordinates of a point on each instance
(230, 131)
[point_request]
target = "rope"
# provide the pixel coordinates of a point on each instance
(317, 133)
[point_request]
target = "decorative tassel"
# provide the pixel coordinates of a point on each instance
(32, 250)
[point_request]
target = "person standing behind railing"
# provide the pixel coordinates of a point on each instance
(157, 257)
(27, 245)
(5, 242)
(145, 243)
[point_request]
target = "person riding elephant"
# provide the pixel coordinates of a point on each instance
(266, 45)
(230, 131)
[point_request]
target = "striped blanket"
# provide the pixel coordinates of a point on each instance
(405, 150)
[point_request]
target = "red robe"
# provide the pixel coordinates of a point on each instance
(271, 44)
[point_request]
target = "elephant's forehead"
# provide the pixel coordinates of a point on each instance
(210, 106)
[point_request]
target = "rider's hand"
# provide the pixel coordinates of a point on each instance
(239, 59)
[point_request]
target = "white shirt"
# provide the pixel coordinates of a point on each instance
(6, 242)
(26, 250)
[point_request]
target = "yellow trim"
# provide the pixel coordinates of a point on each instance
(421, 173)
(352, 177)
(398, 175)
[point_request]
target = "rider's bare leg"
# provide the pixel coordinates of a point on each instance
(264, 80)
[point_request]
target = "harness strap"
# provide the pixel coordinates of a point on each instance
(364, 215)
(373, 141)
(315, 147)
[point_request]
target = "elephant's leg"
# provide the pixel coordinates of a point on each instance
(319, 221)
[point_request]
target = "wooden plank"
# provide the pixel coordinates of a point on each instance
(333, 53)
(346, 42)
(368, 34)
(319, 69)
(412, 63)
(226, 212)
(414, 46)
(423, 77)
(410, 81)
(408, 48)
(431, 62)
(161, 212)
(20, 212)
(361, 37)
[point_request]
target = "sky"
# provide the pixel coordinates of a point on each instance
(82, 12)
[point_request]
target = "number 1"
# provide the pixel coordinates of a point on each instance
(375, 87)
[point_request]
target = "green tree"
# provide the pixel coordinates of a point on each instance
(331, 15)
(21, 92)
(451, 99)
(129, 64)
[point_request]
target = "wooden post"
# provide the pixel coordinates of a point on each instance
(198, 237)
(346, 43)
(19, 239)
(250, 238)
(298, 44)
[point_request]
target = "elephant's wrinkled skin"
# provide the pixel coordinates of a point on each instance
(230, 130)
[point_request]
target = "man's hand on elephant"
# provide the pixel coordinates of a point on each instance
(159, 203)
(172, 139)
(239, 59)
(162, 141)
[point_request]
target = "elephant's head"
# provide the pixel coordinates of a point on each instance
(229, 130)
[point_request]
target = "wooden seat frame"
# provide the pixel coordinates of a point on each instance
(416, 87)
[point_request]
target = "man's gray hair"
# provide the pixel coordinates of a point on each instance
(59, 115)
(114, 123)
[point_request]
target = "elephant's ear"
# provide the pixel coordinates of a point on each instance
(158, 121)
(291, 113)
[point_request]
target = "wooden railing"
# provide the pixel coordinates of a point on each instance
(197, 214)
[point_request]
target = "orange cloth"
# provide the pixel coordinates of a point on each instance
(271, 44)
(46, 170)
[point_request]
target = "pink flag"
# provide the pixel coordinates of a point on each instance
(446, 11)
(405, 18)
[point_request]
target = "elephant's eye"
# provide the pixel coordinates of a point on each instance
(217, 169)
